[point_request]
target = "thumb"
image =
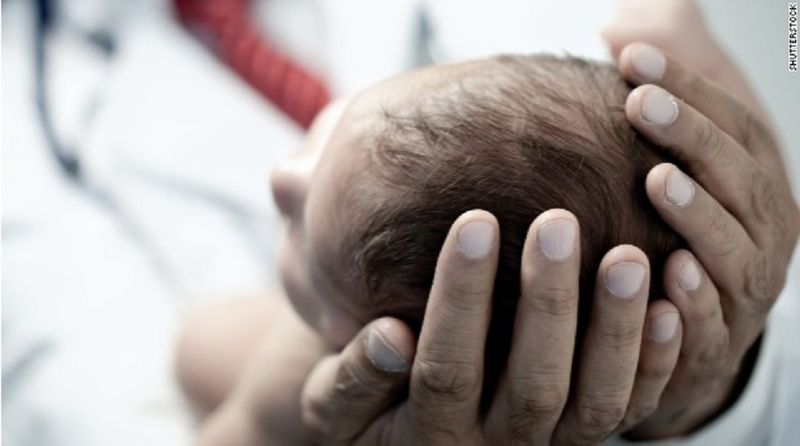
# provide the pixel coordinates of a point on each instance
(346, 392)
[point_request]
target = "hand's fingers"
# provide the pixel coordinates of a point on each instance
(346, 392)
(447, 374)
(534, 387)
(661, 346)
(642, 63)
(716, 237)
(715, 160)
(705, 345)
(691, 290)
(610, 353)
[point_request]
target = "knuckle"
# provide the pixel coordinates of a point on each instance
(709, 355)
(709, 140)
(528, 414)
(717, 228)
(599, 418)
(467, 298)
(638, 413)
(757, 284)
(533, 400)
(555, 301)
(453, 382)
(754, 133)
(617, 336)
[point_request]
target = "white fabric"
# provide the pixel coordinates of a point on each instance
(177, 151)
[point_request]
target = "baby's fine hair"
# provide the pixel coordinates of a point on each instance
(515, 136)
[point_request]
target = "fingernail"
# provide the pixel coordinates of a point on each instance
(663, 328)
(680, 189)
(625, 279)
(475, 239)
(659, 107)
(689, 279)
(382, 355)
(557, 239)
(648, 63)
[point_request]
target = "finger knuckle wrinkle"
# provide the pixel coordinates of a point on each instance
(709, 141)
(638, 413)
(717, 229)
(709, 356)
(600, 418)
(531, 414)
(754, 131)
(617, 336)
(452, 382)
(756, 284)
(555, 301)
(538, 400)
(468, 299)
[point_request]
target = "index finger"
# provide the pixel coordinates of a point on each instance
(447, 373)
(641, 63)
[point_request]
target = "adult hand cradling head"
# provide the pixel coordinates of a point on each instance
(742, 238)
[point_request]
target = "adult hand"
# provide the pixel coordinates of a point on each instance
(348, 397)
(744, 235)
(678, 27)
(737, 215)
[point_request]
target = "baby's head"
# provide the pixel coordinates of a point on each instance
(372, 196)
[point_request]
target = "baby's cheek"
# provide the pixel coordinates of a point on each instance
(296, 285)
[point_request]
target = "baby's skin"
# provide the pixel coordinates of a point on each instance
(243, 363)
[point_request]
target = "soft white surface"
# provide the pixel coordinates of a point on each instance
(178, 152)
(179, 149)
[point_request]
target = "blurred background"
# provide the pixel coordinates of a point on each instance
(137, 139)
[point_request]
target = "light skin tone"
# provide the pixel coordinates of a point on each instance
(307, 191)
(745, 234)
(628, 361)
(633, 363)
